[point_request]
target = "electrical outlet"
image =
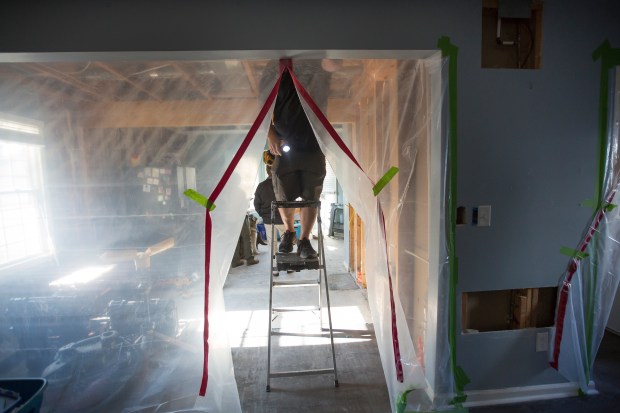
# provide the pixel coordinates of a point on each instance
(542, 341)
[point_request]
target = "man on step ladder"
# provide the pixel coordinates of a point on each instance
(298, 170)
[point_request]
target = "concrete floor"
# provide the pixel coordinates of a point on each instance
(362, 385)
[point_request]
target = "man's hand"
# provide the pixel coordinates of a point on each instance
(274, 141)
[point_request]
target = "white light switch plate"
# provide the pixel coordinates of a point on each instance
(484, 215)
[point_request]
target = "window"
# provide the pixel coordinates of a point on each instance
(23, 225)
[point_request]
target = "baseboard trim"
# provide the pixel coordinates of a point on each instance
(524, 394)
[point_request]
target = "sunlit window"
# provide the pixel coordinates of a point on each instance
(23, 226)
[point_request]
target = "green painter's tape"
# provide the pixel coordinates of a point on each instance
(451, 52)
(458, 400)
(592, 203)
(200, 199)
(573, 253)
(384, 180)
(461, 377)
(401, 402)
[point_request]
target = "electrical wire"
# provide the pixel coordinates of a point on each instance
(78, 72)
(529, 52)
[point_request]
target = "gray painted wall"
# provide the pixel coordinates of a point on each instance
(527, 139)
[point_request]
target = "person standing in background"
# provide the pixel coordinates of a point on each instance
(243, 251)
(253, 233)
(263, 197)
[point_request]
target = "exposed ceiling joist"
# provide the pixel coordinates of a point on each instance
(251, 78)
(122, 77)
(53, 73)
(185, 74)
(146, 114)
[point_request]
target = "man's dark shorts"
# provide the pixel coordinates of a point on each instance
(306, 182)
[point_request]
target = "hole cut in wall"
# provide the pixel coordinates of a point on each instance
(511, 34)
(508, 309)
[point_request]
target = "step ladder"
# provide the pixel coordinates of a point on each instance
(291, 261)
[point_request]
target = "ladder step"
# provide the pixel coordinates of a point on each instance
(297, 308)
(301, 373)
(292, 261)
(293, 334)
(298, 283)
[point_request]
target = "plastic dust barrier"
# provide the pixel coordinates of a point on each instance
(103, 257)
(589, 285)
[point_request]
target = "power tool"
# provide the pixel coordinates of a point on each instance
(268, 157)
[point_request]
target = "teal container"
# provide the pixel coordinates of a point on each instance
(30, 393)
(298, 230)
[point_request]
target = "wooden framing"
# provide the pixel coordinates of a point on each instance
(186, 113)
(356, 248)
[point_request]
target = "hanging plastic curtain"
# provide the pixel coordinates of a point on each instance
(589, 285)
(110, 305)
(398, 124)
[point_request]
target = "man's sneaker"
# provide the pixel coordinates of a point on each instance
(305, 250)
(286, 242)
(251, 261)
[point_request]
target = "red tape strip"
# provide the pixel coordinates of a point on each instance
(205, 333)
(395, 344)
(208, 223)
(574, 265)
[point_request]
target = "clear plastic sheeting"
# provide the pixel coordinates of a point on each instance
(102, 256)
(588, 287)
(586, 297)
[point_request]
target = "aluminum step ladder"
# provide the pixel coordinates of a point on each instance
(291, 261)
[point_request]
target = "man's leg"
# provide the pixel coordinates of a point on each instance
(247, 246)
(304, 246)
(288, 218)
(312, 184)
(288, 237)
(286, 188)
(236, 260)
(274, 241)
(253, 236)
(307, 218)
